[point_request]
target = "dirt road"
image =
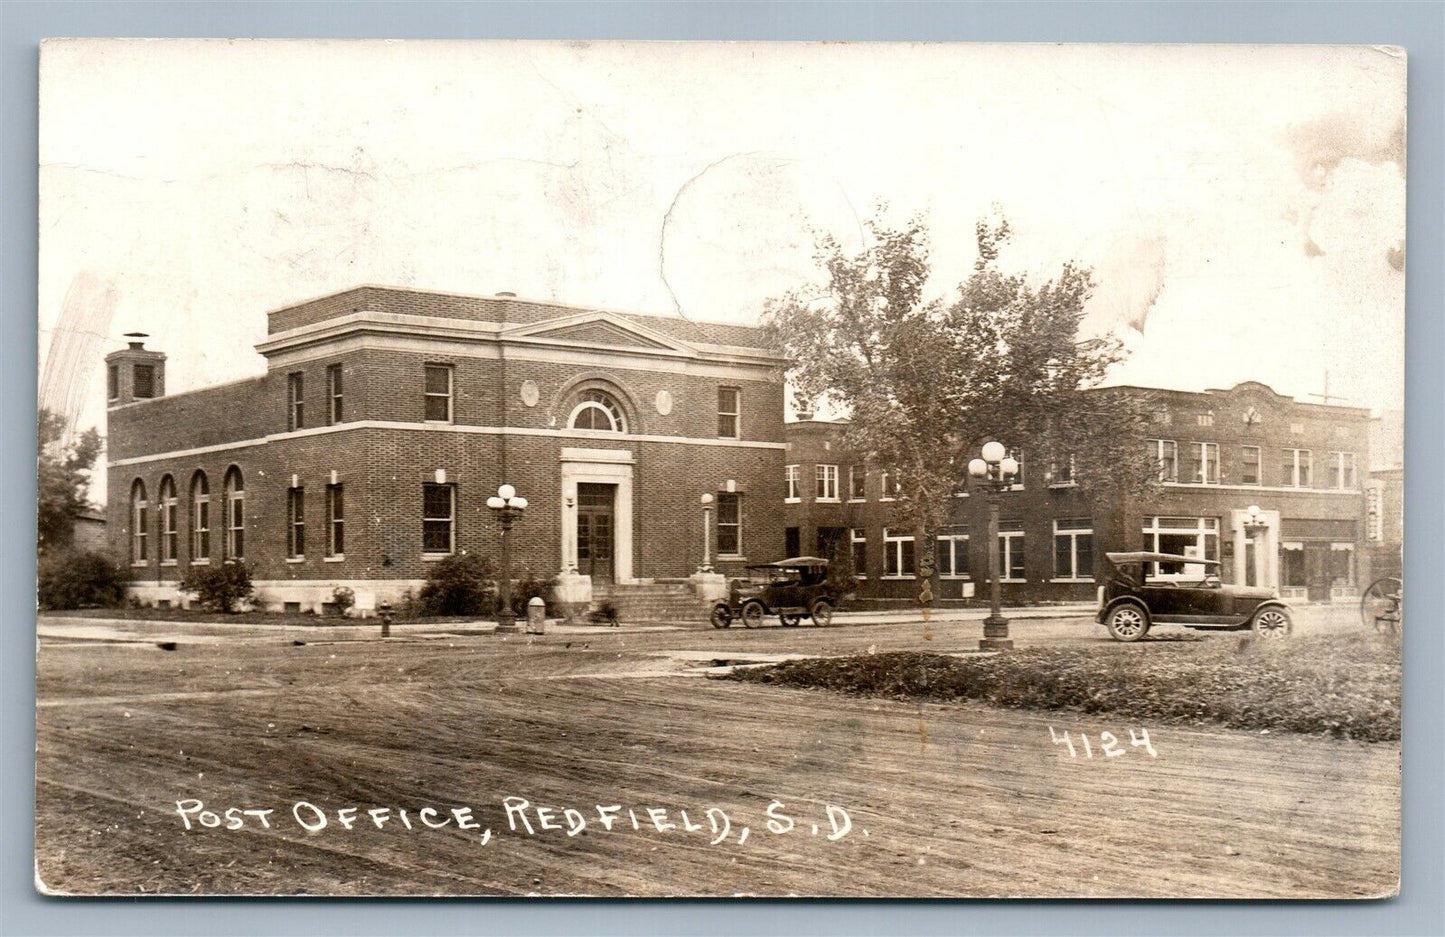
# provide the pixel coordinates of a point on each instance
(958, 800)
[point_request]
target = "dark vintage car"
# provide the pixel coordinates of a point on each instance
(1130, 602)
(791, 589)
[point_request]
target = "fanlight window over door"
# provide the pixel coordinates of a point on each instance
(597, 410)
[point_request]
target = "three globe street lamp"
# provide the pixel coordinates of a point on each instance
(507, 507)
(996, 473)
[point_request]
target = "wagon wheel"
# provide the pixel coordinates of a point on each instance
(722, 616)
(822, 613)
(753, 614)
(790, 621)
(1380, 605)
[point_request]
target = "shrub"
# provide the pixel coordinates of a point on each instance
(460, 584)
(842, 577)
(220, 588)
(342, 599)
(526, 586)
(81, 579)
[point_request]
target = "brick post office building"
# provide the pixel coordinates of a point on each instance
(1219, 452)
(387, 417)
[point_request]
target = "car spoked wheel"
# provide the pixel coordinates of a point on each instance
(722, 616)
(752, 615)
(822, 613)
(1272, 623)
(1127, 623)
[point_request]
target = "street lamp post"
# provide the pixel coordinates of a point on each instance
(507, 507)
(996, 473)
(707, 500)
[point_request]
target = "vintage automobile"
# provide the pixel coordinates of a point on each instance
(1131, 602)
(790, 589)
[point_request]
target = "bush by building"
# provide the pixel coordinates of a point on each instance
(222, 588)
(461, 584)
(79, 579)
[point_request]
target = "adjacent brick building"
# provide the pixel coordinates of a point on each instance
(1220, 452)
(387, 417)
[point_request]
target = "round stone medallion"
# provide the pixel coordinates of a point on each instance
(530, 394)
(664, 402)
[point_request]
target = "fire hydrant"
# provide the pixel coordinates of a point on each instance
(536, 616)
(383, 612)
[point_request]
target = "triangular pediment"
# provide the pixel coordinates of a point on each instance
(595, 329)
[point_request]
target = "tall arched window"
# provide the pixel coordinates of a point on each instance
(139, 515)
(200, 518)
(235, 520)
(169, 522)
(596, 409)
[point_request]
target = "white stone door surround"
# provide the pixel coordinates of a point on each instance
(606, 467)
(1266, 548)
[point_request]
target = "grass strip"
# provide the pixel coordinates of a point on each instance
(1347, 686)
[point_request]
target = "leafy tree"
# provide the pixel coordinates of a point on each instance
(926, 381)
(64, 480)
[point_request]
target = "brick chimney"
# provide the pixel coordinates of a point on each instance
(134, 373)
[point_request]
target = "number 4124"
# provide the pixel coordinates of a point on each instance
(1109, 743)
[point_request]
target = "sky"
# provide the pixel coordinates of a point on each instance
(1242, 207)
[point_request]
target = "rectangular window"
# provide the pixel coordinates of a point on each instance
(235, 525)
(295, 522)
(438, 390)
(1074, 549)
(1295, 466)
(1018, 456)
(335, 520)
(826, 488)
(830, 541)
(1204, 419)
(295, 401)
(1204, 463)
(201, 527)
(438, 524)
(857, 483)
(1342, 470)
(1165, 452)
(335, 412)
(143, 381)
(729, 410)
(1249, 466)
(1011, 551)
(139, 520)
(858, 539)
(952, 546)
(888, 486)
(791, 483)
(1181, 536)
(170, 531)
(1163, 416)
(112, 382)
(1061, 471)
(729, 524)
(897, 555)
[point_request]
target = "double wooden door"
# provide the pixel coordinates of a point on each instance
(596, 530)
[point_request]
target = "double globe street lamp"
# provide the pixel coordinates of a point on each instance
(507, 507)
(996, 472)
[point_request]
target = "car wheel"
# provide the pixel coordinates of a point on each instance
(752, 615)
(1127, 623)
(822, 613)
(1271, 622)
(722, 616)
(790, 621)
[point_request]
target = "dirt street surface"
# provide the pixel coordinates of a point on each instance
(640, 776)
